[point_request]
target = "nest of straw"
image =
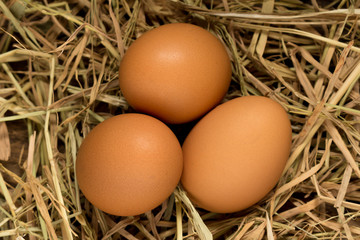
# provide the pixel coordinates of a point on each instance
(58, 78)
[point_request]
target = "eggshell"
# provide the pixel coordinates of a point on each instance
(129, 164)
(236, 154)
(176, 72)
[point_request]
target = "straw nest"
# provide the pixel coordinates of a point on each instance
(58, 79)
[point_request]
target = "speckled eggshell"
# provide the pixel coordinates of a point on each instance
(235, 155)
(129, 164)
(176, 72)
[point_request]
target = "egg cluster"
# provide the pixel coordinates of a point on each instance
(232, 157)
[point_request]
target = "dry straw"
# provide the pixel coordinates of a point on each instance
(58, 79)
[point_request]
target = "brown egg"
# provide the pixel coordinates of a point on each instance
(236, 154)
(176, 72)
(129, 164)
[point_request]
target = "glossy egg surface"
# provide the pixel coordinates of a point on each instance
(176, 72)
(235, 155)
(129, 164)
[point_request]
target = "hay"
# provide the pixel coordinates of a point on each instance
(58, 79)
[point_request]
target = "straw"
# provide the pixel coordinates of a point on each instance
(59, 65)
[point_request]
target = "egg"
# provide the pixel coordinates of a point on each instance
(129, 164)
(176, 72)
(235, 154)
